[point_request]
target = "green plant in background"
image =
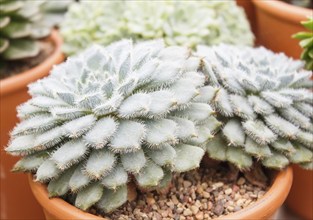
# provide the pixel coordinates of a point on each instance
(265, 103)
(22, 23)
(185, 23)
(110, 114)
(306, 42)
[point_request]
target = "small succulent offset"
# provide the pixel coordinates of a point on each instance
(185, 23)
(111, 115)
(265, 102)
(306, 42)
(22, 23)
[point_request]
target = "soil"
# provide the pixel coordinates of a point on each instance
(206, 193)
(15, 67)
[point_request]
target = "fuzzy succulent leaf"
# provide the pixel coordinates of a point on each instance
(217, 148)
(133, 162)
(234, 133)
(112, 199)
(118, 177)
(89, 196)
(78, 179)
(265, 103)
(60, 186)
(163, 156)
(183, 162)
(69, 154)
(30, 163)
(150, 175)
(99, 163)
(46, 171)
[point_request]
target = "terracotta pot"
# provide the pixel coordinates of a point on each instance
(264, 208)
(17, 201)
(250, 12)
(276, 22)
(300, 198)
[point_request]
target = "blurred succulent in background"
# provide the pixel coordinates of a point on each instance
(265, 102)
(22, 23)
(19, 29)
(306, 42)
(111, 114)
(178, 22)
(54, 11)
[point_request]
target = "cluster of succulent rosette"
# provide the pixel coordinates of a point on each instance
(137, 112)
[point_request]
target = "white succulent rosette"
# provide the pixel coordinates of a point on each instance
(185, 23)
(112, 115)
(265, 102)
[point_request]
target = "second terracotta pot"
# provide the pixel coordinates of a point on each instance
(300, 198)
(17, 201)
(264, 208)
(248, 6)
(276, 22)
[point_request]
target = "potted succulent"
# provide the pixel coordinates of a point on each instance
(136, 113)
(28, 48)
(300, 198)
(277, 21)
(179, 22)
(90, 134)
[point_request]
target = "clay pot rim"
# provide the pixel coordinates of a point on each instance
(20, 80)
(283, 10)
(270, 202)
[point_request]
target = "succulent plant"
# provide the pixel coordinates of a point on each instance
(306, 42)
(185, 23)
(265, 103)
(111, 115)
(22, 23)
(54, 11)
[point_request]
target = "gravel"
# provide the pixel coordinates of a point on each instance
(199, 194)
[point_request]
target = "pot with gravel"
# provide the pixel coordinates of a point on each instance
(125, 113)
(135, 113)
(28, 50)
(268, 115)
(247, 201)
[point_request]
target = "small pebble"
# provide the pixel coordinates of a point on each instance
(194, 209)
(187, 184)
(206, 195)
(187, 212)
(218, 208)
(150, 200)
(228, 191)
(241, 181)
(199, 216)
